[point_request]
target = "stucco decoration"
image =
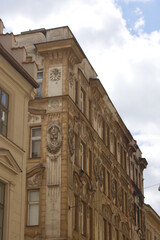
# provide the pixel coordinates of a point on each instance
(54, 138)
(97, 168)
(34, 176)
(55, 74)
(107, 212)
(113, 188)
(34, 181)
(55, 103)
(125, 228)
(71, 79)
(117, 220)
(70, 139)
(34, 118)
(120, 197)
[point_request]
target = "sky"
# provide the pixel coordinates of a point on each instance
(121, 39)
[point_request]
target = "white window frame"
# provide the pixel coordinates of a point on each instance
(82, 153)
(35, 203)
(32, 139)
(39, 80)
(82, 100)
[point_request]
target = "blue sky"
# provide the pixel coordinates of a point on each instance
(149, 10)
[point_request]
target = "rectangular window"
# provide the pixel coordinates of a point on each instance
(76, 213)
(104, 229)
(33, 208)
(90, 163)
(35, 148)
(76, 150)
(90, 224)
(117, 234)
(76, 92)
(109, 232)
(82, 100)
(4, 102)
(108, 189)
(2, 195)
(126, 203)
(83, 219)
(90, 110)
(104, 180)
(107, 135)
(82, 156)
(39, 80)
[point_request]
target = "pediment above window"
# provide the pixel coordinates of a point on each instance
(34, 176)
(8, 161)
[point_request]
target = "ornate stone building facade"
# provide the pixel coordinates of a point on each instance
(84, 169)
(16, 89)
(152, 223)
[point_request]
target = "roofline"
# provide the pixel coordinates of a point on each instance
(127, 130)
(17, 66)
(43, 30)
(149, 206)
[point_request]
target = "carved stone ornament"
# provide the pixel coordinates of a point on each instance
(34, 118)
(70, 139)
(113, 188)
(54, 138)
(97, 169)
(107, 212)
(125, 228)
(55, 74)
(34, 176)
(120, 197)
(34, 181)
(71, 78)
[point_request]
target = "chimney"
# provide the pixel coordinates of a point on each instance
(1, 27)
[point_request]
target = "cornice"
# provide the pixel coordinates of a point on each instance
(69, 43)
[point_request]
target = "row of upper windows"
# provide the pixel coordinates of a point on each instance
(81, 159)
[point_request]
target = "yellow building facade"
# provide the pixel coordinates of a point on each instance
(84, 176)
(152, 223)
(16, 89)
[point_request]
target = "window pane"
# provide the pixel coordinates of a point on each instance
(39, 80)
(39, 90)
(0, 234)
(36, 149)
(4, 99)
(33, 214)
(33, 207)
(1, 217)
(2, 192)
(34, 196)
(36, 132)
(39, 75)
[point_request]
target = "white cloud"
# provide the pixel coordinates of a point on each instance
(138, 1)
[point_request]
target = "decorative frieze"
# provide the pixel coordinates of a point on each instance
(34, 118)
(55, 104)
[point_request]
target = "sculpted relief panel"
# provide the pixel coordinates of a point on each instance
(55, 81)
(54, 138)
